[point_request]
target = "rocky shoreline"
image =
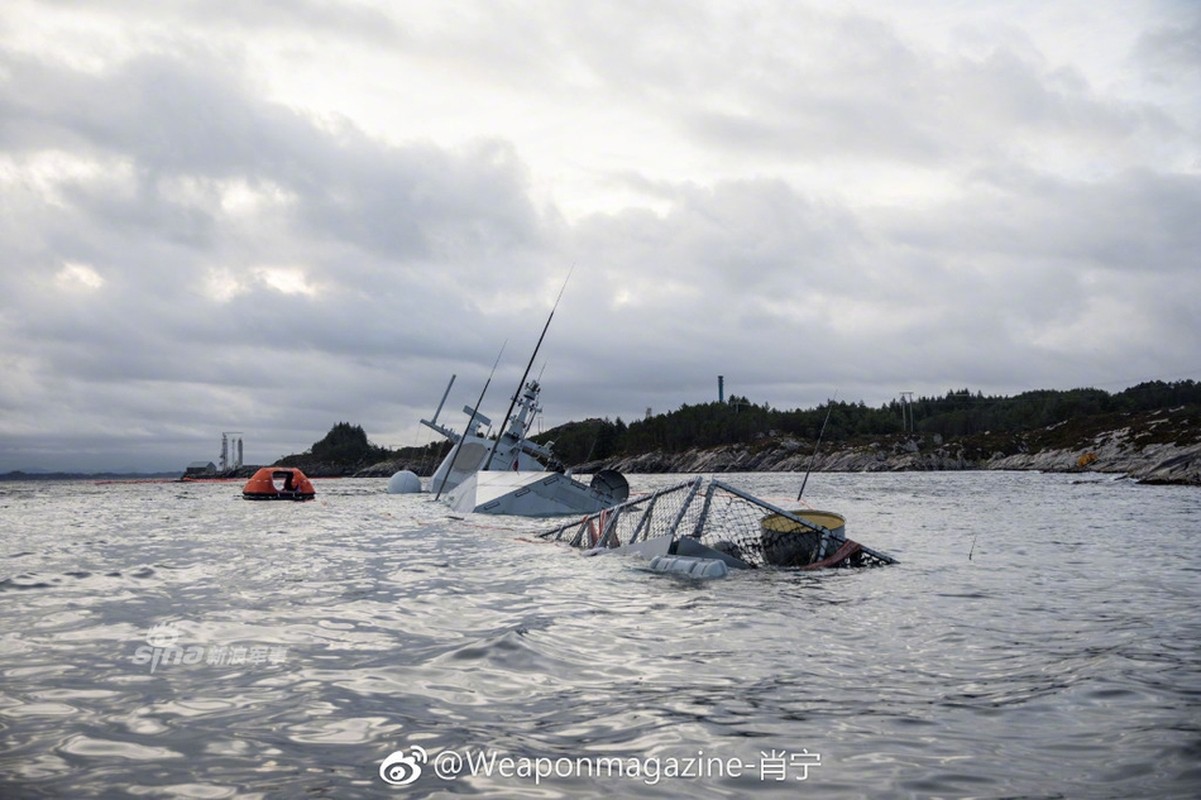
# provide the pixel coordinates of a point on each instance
(1164, 463)
(1161, 463)
(1155, 447)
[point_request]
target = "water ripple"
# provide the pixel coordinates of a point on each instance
(297, 646)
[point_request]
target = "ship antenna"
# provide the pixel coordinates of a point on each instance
(526, 374)
(820, 434)
(459, 444)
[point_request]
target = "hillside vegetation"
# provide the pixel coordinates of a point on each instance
(1045, 418)
(342, 451)
(1151, 431)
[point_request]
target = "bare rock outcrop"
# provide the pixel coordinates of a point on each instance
(1139, 451)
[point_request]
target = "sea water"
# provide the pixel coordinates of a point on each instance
(1040, 637)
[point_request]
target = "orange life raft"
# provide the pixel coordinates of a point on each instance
(279, 483)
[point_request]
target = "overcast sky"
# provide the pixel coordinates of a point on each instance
(269, 217)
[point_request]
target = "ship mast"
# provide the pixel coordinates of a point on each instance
(521, 386)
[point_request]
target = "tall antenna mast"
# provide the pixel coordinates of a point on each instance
(508, 414)
(820, 434)
(459, 444)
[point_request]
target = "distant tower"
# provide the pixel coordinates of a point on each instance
(907, 412)
(228, 438)
(721, 388)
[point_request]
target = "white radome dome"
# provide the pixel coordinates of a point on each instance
(404, 482)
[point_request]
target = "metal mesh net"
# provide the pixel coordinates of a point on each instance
(724, 519)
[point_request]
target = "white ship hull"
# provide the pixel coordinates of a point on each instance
(525, 494)
(510, 474)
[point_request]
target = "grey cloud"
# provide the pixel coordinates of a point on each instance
(195, 118)
(1063, 252)
(391, 236)
(1171, 52)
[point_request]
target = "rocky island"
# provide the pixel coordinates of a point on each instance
(1161, 447)
(1150, 433)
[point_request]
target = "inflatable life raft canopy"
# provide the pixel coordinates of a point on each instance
(279, 483)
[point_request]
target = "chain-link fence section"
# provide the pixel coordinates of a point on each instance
(719, 521)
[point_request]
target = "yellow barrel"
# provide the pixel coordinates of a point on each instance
(788, 543)
(834, 523)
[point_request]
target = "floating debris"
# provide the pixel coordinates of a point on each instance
(717, 523)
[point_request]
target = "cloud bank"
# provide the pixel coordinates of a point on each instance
(269, 219)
